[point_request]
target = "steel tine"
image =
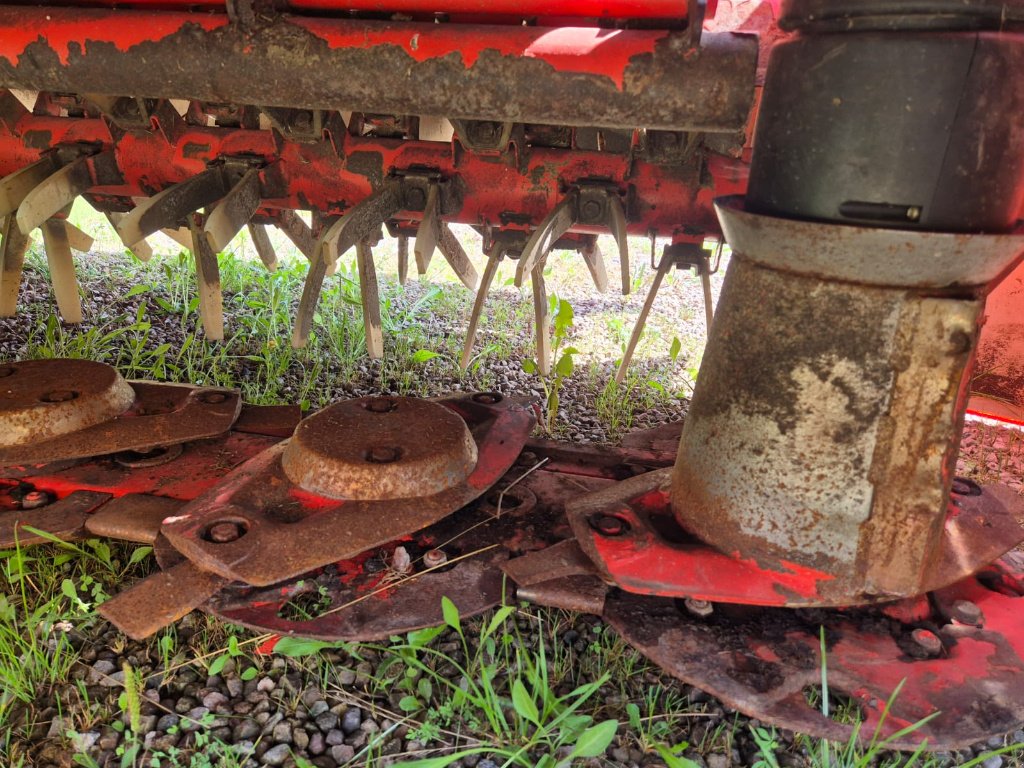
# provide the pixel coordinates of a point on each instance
(62, 270)
(181, 235)
(540, 317)
(490, 270)
(368, 292)
(80, 241)
(428, 232)
(234, 211)
(363, 221)
(167, 209)
(555, 224)
(56, 192)
(663, 267)
(15, 186)
(142, 250)
(455, 255)
(211, 301)
(403, 259)
(617, 224)
(591, 253)
(296, 230)
(12, 259)
(264, 248)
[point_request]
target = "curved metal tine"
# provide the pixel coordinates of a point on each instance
(211, 301)
(362, 222)
(56, 192)
(80, 241)
(428, 232)
(181, 235)
(591, 253)
(456, 257)
(617, 224)
(15, 186)
(663, 267)
(234, 211)
(368, 292)
(12, 259)
(403, 259)
(142, 250)
(62, 269)
(540, 317)
(555, 224)
(494, 256)
(167, 209)
(298, 231)
(264, 248)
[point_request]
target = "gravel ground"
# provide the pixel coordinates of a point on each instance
(328, 711)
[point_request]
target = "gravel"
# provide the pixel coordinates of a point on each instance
(288, 714)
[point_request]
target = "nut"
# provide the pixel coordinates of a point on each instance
(224, 532)
(434, 558)
(927, 641)
(701, 608)
(609, 525)
(966, 612)
(35, 500)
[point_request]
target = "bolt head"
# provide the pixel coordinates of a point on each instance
(927, 641)
(224, 532)
(966, 612)
(609, 525)
(434, 558)
(590, 210)
(35, 500)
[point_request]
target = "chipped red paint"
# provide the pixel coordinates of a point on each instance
(604, 9)
(61, 31)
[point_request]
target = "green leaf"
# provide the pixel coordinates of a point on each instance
(420, 637)
(674, 349)
(443, 760)
(424, 688)
(500, 617)
(633, 712)
(530, 366)
(409, 704)
(423, 355)
(564, 367)
(525, 706)
(67, 586)
(249, 674)
(596, 739)
(233, 646)
(139, 554)
(298, 646)
(218, 664)
(136, 290)
(451, 614)
(672, 760)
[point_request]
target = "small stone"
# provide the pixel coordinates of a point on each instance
(352, 718)
(995, 761)
(100, 670)
(235, 687)
(717, 761)
(318, 708)
(167, 722)
(346, 677)
(214, 699)
(342, 753)
(327, 721)
(277, 755)
(369, 726)
(316, 744)
(247, 730)
(108, 741)
(282, 733)
(335, 737)
(147, 723)
(83, 742)
(265, 684)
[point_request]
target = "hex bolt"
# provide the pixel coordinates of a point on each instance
(927, 641)
(959, 342)
(434, 557)
(59, 396)
(701, 608)
(913, 213)
(302, 120)
(609, 525)
(527, 457)
(590, 210)
(966, 612)
(382, 454)
(381, 405)
(213, 398)
(415, 199)
(35, 500)
(224, 532)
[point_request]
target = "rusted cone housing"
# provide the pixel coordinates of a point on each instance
(824, 427)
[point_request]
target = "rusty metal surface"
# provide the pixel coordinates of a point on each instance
(999, 373)
(271, 420)
(873, 256)
(827, 437)
(133, 517)
(761, 661)
(160, 599)
(380, 448)
(161, 415)
(282, 531)
(590, 77)
(629, 532)
(64, 519)
(362, 599)
(45, 400)
(558, 561)
(585, 594)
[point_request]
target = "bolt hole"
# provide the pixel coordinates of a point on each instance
(6, 371)
(487, 398)
(963, 486)
(381, 405)
(59, 396)
(213, 398)
(383, 454)
(609, 525)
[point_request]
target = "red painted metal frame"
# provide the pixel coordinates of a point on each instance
(314, 176)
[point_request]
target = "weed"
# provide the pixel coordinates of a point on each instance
(562, 312)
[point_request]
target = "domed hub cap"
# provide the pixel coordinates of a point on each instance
(45, 399)
(381, 448)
